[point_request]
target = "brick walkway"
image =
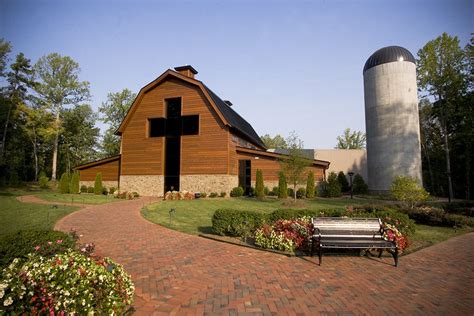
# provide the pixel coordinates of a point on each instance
(175, 273)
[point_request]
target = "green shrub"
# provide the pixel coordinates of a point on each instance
(14, 179)
(136, 195)
(84, 188)
(251, 191)
(275, 191)
(64, 183)
(408, 191)
(98, 184)
(298, 213)
(90, 189)
(105, 191)
(333, 186)
(235, 222)
(222, 194)
(266, 191)
(21, 243)
(213, 195)
(237, 192)
(402, 221)
(322, 189)
(259, 187)
(74, 185)
(203, 194)
(43, 180)
(358, 185)
(301, 193)
(310, 185)
(341, 178)
(436, 217)
(290, 192)
(282, 186)
(112, 190)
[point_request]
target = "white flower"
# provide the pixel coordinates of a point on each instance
(2, 292)
(8, 302)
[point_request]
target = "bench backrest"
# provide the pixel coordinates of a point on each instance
(347, 226)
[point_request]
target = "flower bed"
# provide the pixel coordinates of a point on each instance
(66, 283)
(286, 235)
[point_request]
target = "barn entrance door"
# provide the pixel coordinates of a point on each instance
(245, 178)
(172, 144)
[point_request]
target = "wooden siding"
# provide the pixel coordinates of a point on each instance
(206, 153)
(109, 170)
(271, 167)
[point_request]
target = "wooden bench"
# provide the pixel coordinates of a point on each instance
(350, 233)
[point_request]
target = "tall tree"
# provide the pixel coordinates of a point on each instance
(59, 86)
(5, 49)
(277, 142)
(442, 74)
(113, 111)
(20, 79)
(295, 164)
(351, 140)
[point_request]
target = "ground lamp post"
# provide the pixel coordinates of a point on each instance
(350, 180)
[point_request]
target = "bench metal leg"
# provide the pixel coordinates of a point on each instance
(395, 256)
(312, 247)
(380, 253)
(320, 253)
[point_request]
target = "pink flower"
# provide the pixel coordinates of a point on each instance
(59, 241)
(50, 243)
(37, 248)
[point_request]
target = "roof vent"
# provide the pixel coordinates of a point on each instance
(186, 70)
(228, 102)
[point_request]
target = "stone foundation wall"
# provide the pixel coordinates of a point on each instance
(149, 185)
(107, 184)
(208, 183)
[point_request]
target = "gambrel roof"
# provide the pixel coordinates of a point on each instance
(227, 115)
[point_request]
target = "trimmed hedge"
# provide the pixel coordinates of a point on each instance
(437, 217)
(235, 222)
(237, 192)
(21, 243)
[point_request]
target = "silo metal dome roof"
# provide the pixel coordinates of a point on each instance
(387, 55)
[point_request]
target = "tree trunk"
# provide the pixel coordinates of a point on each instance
(448, 161)
(4, 138)
(55, 148)
(430, 170)
(35, 153)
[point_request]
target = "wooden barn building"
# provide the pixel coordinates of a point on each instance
(179, 135)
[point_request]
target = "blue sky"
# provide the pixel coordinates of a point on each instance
(285, 65)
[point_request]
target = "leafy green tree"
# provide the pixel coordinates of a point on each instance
(59, 86)
(333, 188)
(295, 164)
(442, 71)
(408, 190)
(282, 186)
(359, 186)
(74, 185)
(341, 178)
(351, 140)
(5, 49)
(43, 180)
(310, 185)
(277, 142)
(64, 183)
(259, 186)
(113, 112)
(98, 184)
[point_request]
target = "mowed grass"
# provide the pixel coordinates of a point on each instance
(430, 235)
(84, 198)
(15, 215)
(195, 216)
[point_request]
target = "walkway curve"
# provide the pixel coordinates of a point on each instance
(176, 273)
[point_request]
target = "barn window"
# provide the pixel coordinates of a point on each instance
(157, 127)
(190, 125)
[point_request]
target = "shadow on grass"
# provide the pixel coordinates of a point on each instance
(6, 194)
(205, 230)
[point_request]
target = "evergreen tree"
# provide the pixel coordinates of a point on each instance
(259, 187)
(64, 183)
(333, 188)
(310, 185)
(282, 186)
(98, 184)
(341, 178)
(359, 185)
(74, 185)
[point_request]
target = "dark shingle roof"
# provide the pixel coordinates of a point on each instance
(387, 55)
(235, 120)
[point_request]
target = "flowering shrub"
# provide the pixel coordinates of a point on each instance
(65, 283)
(175, 195)
(391, 233)
(286, 235)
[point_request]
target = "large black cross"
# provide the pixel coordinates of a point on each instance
(172, 128)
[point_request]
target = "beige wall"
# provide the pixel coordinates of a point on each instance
(344, 160)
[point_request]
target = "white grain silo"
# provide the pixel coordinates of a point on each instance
(391, 117)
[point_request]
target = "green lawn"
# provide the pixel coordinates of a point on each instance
(194, 217)
(85, 198)
(15, 215)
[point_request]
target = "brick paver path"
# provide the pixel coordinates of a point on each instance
(175, 273)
